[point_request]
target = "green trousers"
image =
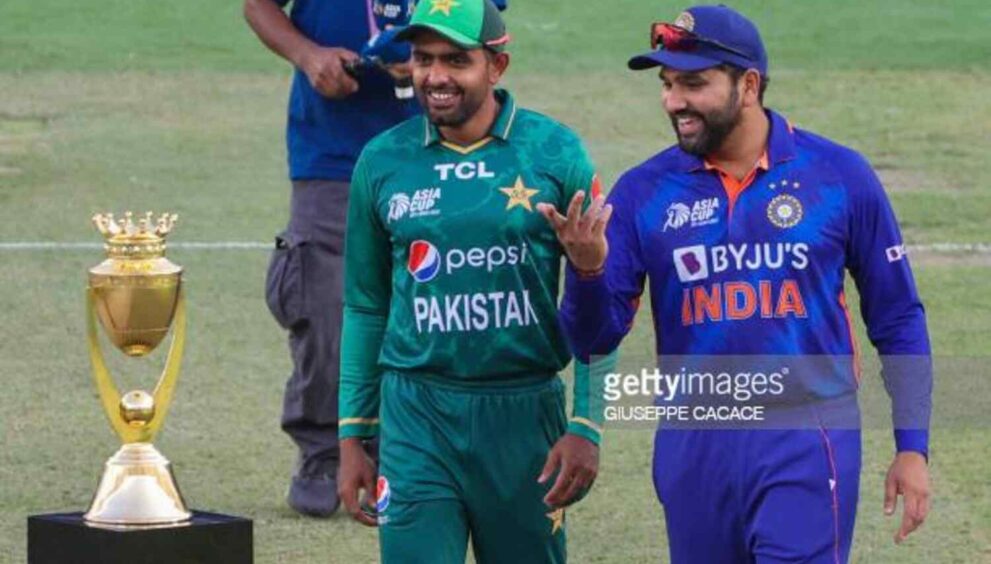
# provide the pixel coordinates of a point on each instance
(462, 463)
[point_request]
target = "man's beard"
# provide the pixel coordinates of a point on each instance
(457, 116)
(716, 126)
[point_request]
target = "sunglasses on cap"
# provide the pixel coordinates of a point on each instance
(673, 38)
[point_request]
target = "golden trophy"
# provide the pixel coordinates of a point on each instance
(137, 513)
(136, 293)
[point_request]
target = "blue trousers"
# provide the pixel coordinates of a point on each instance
(758, 496)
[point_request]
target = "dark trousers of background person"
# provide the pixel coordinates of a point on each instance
(304, 291)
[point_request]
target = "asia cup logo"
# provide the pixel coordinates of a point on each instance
(398, 206)
(678, 215)
(784, 211)
(382, 494)
(424, 261)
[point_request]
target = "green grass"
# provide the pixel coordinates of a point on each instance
(549, 35)
(176, 106)
(229, 455)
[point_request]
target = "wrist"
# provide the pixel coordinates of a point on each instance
(910, 454)
(303, 54)
(585, 429)
(912, 440)
(586, 273)
(352, 443)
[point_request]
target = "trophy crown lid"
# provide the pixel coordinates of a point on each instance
(130, 238)
(127, 228)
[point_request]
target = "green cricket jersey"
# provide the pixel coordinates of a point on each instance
(451, 273)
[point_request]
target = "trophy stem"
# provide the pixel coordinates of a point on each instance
(170, 374)
(137, 489)
(110, 396)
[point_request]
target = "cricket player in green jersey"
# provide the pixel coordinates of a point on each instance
(451, 343)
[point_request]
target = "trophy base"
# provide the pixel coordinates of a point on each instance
(205, 538)
(137, 489)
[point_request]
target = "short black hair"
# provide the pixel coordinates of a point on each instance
(736, 73)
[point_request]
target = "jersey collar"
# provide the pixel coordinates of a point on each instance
(501, 127)
(780, 146)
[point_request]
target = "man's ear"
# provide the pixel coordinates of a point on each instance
(498, 63)
(751, 88)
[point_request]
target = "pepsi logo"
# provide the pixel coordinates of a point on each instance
(382, 494)
(424, 261)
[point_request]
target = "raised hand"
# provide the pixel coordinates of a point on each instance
(583, 235)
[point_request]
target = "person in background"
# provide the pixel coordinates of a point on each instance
(343, 93)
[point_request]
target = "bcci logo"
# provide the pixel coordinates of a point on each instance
(784, 211)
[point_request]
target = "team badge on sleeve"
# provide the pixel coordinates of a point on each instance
(895, 253)
(785, 211)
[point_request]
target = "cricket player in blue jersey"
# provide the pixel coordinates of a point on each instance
(744, 231)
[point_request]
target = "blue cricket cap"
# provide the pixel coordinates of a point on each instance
(716, 35)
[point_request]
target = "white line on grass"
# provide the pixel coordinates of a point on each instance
(72, 246)
(977, 248)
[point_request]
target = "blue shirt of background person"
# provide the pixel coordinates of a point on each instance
(324, 136)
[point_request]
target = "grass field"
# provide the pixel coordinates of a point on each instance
(174, 105)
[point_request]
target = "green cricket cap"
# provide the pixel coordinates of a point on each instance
(470, 24)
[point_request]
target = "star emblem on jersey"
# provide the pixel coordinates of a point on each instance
(519, 195)
(443, 6)
(785, 211)
(557, 520)
(785, 184)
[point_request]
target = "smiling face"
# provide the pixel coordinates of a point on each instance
(452, 83)
(704, 107)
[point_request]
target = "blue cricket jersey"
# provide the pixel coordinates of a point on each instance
(758, 269)
(325, 136)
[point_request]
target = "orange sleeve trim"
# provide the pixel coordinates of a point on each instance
(853, 339)
(596, 189)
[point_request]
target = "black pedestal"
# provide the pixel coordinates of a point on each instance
(208, 538)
